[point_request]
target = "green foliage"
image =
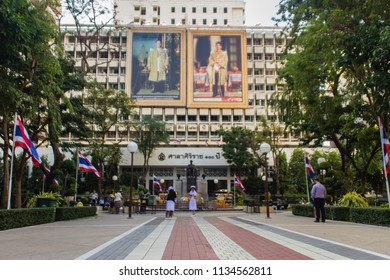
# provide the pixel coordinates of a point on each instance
(353, 199)
(70, 213)
(373, 216)
(16, 218)
(31, 203)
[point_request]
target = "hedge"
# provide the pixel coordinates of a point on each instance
(366, 215)
(23, 217)
(71, 213)
(16, 218)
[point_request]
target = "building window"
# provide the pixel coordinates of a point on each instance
(269, 87)
(237, 118)
(203, 134)
(204, 21)
(226, 118)
(278, 57)
(114, 70)
(123, 55)
(192, 118)
(249, 56)
(214, 22)
(259, 87)
(269, 72)
(123, 86)
(225, 10)
(257, 56)
(250, 71)
(214, 10)
(136, 8)
(194, 9)
(183, 9)
(181, 118)
(214, 118)
(173, 9)
(268, 41)
(173, 21)
(268, 56)
(115, 39)
(225, 21)
(204, 10)
(249, 118)
(250, 86)
(113, 85)
(169, 118)
(124, 40)
(143, 11)
(203, 118)
(71, 39)
(192, 134)
(193, 21)
(103, 54)
(258, 72)
(257, 41)
(260, 102)
(183, 21)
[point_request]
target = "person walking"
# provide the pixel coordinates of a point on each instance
(192, 202)
(93, 197)
(318, 194)
(170, 207)
(117, 201)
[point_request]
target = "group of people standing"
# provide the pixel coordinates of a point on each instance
(170, 205)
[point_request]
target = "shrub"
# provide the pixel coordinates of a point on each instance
(353, 199)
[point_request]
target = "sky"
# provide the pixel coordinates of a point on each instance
(260, 11)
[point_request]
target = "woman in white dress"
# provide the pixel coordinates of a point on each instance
(192, 196)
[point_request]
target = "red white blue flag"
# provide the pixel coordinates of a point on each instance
(386, 149)
(309, 168)
(238, 183)
(86, 165)
(55, 182)
(21, 139)
(156, 182)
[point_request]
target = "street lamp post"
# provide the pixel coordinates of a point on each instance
(265, 148)
(320, 161)
(132, 147)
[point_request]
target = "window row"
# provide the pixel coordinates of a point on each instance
(100, 39)
(204, 10)
(194, 21)
(267, 56)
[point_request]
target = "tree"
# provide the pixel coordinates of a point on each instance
(337, 80)
(29, 75)
(239, 149)
(107, 109)
(150, 134)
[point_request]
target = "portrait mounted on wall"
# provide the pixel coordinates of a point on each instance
(217, 69)
(156, 66)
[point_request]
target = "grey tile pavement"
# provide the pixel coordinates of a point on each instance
(111, 236)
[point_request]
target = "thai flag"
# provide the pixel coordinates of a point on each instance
(21, 139)
(86, 165)
(386, 149)
(238, 183)
(175, 140)
(55, 182)
(156, 182)
(309, 168)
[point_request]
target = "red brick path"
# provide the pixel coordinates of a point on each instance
(187, 242)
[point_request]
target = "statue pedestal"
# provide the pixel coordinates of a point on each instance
(182, 187)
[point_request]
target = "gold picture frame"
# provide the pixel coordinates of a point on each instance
(156, 66)
(217, 69)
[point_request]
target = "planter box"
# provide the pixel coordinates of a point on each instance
(46, 202)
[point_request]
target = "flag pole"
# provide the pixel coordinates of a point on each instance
(383, 161)
(307, 183)
(12, 165)
(77, 173)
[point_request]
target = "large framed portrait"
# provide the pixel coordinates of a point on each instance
(156, 66)
(217, 69)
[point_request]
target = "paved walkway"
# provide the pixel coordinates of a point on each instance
(216, 235)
